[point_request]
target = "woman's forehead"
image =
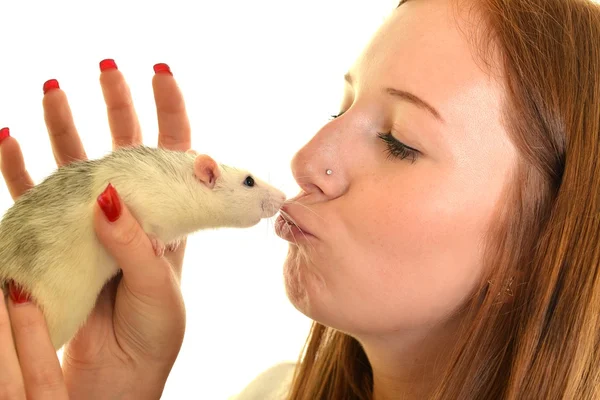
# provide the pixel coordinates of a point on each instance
(421, 49)
(420, 41)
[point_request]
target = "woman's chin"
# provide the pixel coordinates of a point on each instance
(303, 284)
(294, 280)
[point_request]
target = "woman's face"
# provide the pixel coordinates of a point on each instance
(395, 243)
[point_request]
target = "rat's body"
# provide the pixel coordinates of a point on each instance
(48, 244)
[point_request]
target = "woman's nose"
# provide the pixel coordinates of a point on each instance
(318, 168)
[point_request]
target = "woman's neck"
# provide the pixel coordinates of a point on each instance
(409, 365)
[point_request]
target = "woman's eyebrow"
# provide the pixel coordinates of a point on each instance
(409, 97)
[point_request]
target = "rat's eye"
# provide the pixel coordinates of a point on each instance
(249, 181)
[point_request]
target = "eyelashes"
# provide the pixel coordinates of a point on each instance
(397, 149)
(394, 147)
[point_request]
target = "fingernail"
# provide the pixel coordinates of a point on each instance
(108, 63)
(4, 133)
(18, 295)
(109, 203)
(50, 84)
(162, 67)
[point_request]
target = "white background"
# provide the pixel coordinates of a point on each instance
(259, 79)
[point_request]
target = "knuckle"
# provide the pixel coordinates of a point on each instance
(45, 377)
(27, 324)
(15, 173)
(129, 235)
(169, 137)
(59, 132)
(122, 140)
(172, 106)
(119, 104)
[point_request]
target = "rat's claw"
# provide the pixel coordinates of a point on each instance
(173, 246)
(157, 245)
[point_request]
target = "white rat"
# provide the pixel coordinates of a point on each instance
(48, 245)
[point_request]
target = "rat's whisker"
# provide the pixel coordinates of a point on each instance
(303, 177)
(293, 236)
(305, 206)
(267, 223)
(291, 220)
(272, 219)
(295, 240)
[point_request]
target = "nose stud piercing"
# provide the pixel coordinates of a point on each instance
(329, 172)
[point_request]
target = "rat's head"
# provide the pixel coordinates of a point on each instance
(242, 198)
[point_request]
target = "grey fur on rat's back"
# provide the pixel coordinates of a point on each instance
(48, 243)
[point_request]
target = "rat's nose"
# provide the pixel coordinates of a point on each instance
(272, 204)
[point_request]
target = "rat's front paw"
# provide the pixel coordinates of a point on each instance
(157, 245)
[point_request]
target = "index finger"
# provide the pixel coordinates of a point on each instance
(174, 131)
(65, 141)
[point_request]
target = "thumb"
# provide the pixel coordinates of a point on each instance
(119, 232)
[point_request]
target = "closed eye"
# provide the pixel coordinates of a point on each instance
(397, 149)
(394, 147)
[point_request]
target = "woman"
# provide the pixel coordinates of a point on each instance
(460, 258)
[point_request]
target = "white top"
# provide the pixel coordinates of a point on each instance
(272, 384)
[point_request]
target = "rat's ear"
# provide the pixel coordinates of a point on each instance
(206, 170)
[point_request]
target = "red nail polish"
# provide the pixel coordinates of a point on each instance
(162, 67)
(107, 64)
(51, 84)
(4, 133)
(109, 203)
(18, 295)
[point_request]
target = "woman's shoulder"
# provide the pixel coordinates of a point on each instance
(271, 384)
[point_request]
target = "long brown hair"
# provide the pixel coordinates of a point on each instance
(544, 247)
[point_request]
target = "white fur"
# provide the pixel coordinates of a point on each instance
(72, 266)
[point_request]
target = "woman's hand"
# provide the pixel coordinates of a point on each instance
(132, 338)
(35, 373)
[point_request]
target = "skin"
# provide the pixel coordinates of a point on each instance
(394, 275)
(130, 342)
